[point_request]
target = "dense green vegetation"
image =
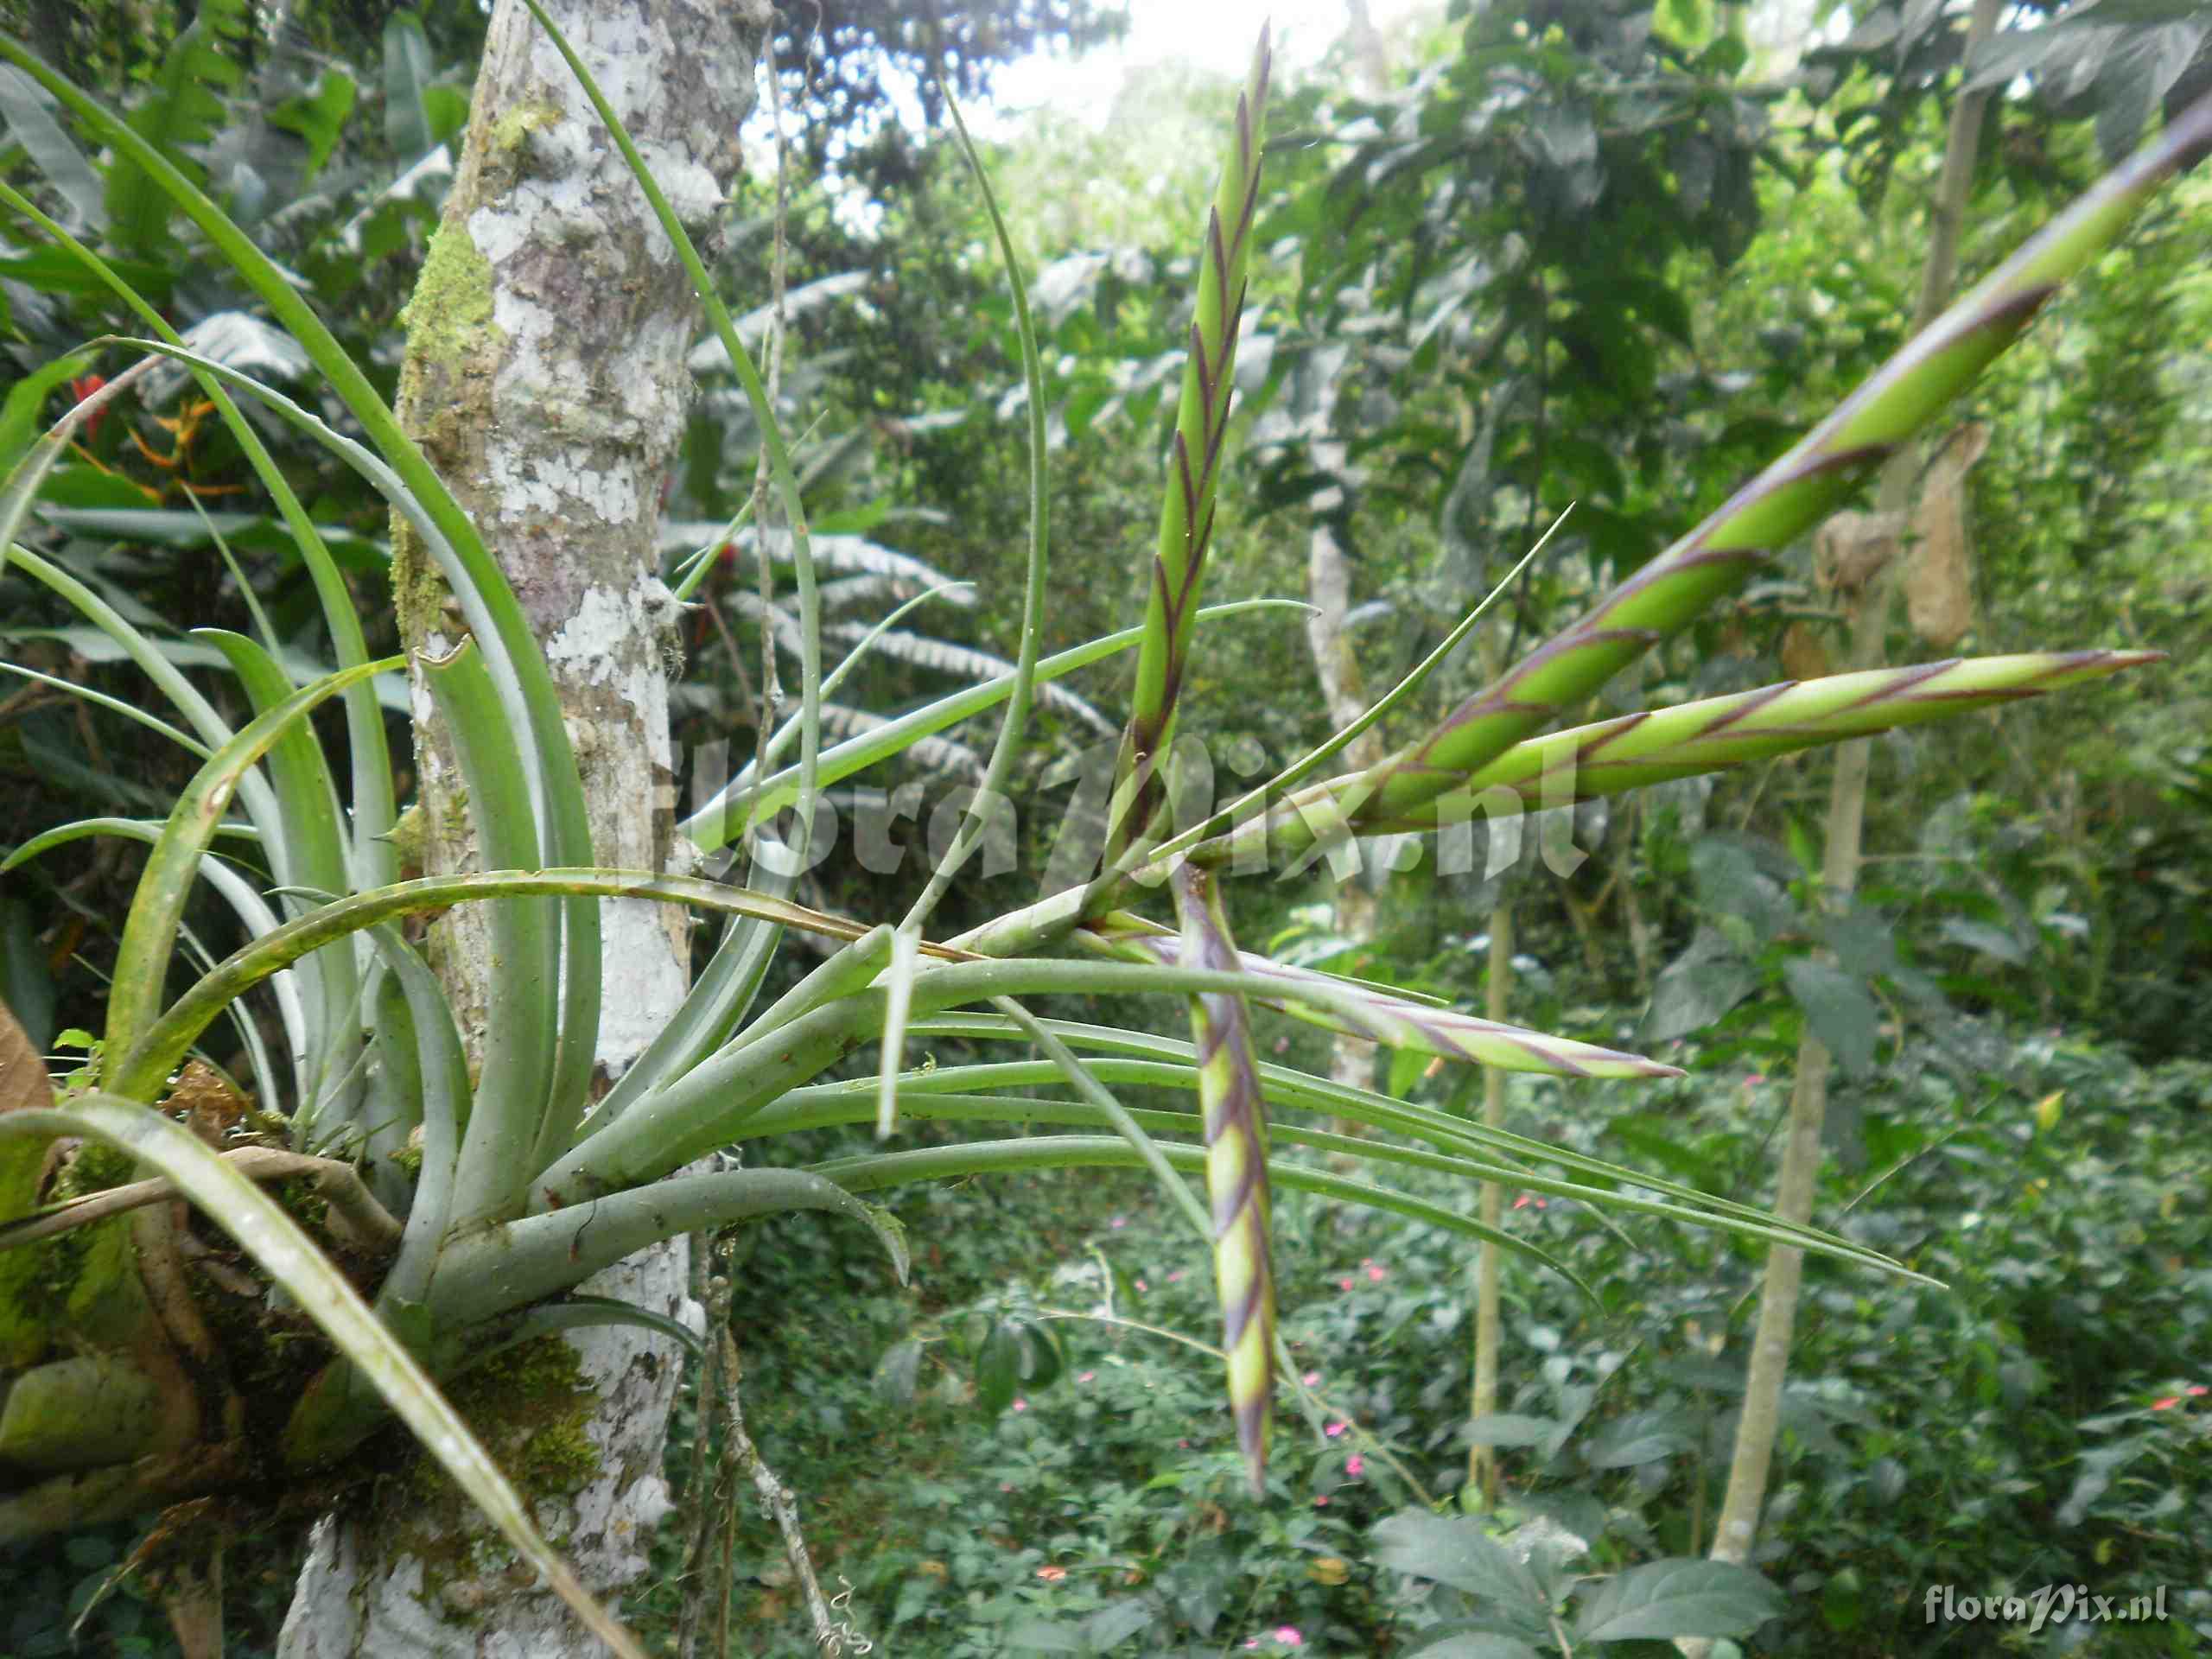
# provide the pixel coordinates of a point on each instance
(1597, 257)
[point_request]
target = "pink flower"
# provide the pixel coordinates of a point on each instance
(1118, 1223)
(1355, 1465)
(1088, 1376)
(1174, 1276)
(1185, 1445)
(1343, 1284)
(1021, 1405)
(1375, 1275)
(1311, 1379)
(2166, 1404)
(1335, 1429)
(1142, 1285)
(1322, 1501)
(1288, 1635)
(2196, 1390)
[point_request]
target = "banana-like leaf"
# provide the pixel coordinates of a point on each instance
(937, 754)
(737, 808)
(1760, 520)
(1193, 471)
(265, 1232)
(31, 124)
(855, 555)
(940, 657)
(1237, 1168)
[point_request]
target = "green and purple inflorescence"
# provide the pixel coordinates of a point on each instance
(1236, 1167)
(1193, 471)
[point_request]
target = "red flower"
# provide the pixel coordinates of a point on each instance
(81, 388)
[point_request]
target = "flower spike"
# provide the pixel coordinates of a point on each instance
(1787, 498)
(1193, 471)
(1237, 1168)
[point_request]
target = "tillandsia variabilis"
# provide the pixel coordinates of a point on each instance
(517, 1184)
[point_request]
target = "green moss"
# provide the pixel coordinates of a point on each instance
(531, 1406)
(34, 1285)
(453, 347)
(510, 132)
(81, 1286)
(559, 1458)
(449, 316)
(96, 1167)
(304, 1202)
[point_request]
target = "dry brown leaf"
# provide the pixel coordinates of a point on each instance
(1939, 581)
(1804, 654)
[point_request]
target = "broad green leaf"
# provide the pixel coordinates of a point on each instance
(1506, 1428)
(1474, 1644)
(1661, 1600)
(1642, 1437)
(1455, 1550)
(1839, 1007)
(408, 127)
(25, 116)
(318, 116)
(1696, 988)
(998, 1364)
(181, 110)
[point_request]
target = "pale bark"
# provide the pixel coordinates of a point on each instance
(545, 380)
(1760, 1423)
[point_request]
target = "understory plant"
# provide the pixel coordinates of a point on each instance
(443, 1200)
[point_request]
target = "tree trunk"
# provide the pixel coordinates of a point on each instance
(545, 378)
(1760, 1424)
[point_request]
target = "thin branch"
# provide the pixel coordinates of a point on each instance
(741, 1457)
(364, 1222)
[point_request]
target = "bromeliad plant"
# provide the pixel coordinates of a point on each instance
(479, 1197)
